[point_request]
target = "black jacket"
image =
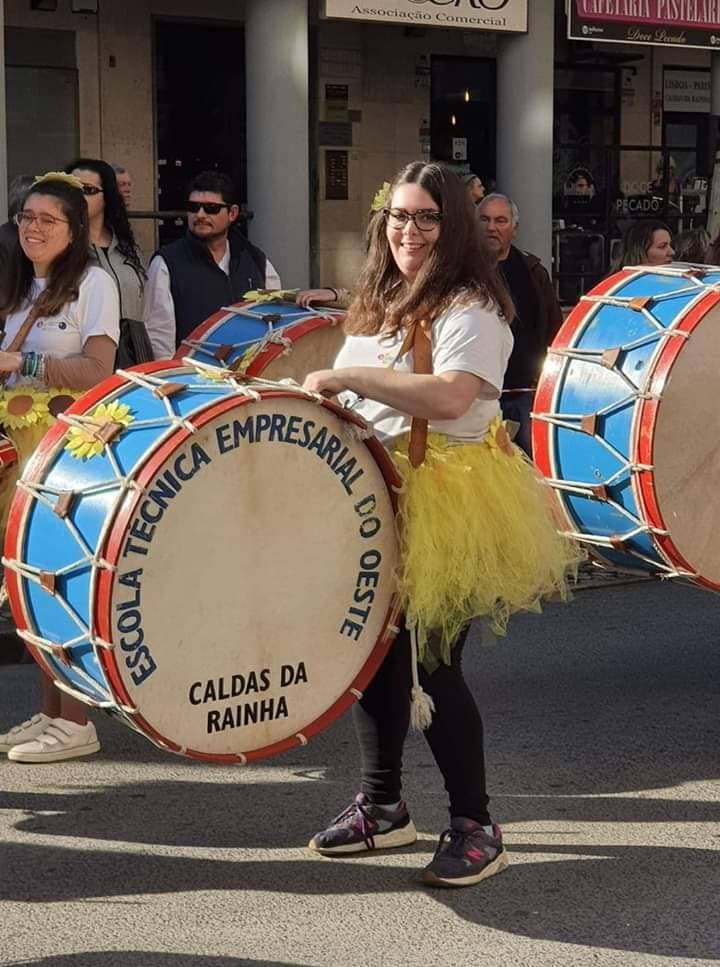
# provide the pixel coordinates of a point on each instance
(199, 287)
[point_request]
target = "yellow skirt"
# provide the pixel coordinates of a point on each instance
(479, 538)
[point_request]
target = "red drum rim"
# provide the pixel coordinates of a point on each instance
(293, 331)
(112, 546)
(645, 438)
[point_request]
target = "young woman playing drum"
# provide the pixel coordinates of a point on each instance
(61, 331)
(477, 532)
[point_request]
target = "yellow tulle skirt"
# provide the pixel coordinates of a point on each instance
(479, 538)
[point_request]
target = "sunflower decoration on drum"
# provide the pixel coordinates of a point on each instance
(89, 438)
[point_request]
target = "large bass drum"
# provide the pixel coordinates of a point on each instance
(626, 426)
(211, 560)
(275, 340)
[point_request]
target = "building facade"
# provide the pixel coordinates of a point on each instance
(311, 113)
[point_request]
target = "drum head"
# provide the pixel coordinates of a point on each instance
(253, 582)
(311, 349)
(686, 450)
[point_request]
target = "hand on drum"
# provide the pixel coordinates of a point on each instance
(316, 297)
(327, 382)
(10, 362)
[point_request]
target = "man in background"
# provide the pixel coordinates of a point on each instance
(537, 312)
(124, 183)
(212, 266)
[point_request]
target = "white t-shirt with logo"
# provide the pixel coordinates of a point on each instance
(466, 339)
(96, 312)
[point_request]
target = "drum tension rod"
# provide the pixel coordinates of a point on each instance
(641, 302)
(610, 357)
(588, 424)
(600, 492)
(168, 389)
(222, 353)
(64, 503)
(48, 581)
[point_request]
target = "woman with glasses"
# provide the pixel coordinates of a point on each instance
(61, 332)
(112, 241)
(427, 345)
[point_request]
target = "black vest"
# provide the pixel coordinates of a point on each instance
(199, 287)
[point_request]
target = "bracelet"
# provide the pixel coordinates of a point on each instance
(33, 366)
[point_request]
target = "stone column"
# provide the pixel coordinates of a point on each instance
(525, 126)
(278, 163)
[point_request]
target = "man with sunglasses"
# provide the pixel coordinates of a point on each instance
(212, 266)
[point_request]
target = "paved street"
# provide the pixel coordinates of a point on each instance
(602, 721)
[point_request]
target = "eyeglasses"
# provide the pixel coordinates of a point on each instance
(425, 219)
(44, 221)
(209, 207)
(91, 190)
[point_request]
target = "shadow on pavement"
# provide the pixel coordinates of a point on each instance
(637, 899)
(142, 958)
(223, 816)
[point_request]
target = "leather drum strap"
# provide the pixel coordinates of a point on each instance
(20, 336)
(419, 337)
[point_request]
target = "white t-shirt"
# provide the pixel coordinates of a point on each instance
(96, 312)
(466, 339)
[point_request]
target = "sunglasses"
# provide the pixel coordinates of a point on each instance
(209, 207)
(91, 190)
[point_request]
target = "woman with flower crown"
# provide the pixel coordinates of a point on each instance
(427, 343)
(62, 320)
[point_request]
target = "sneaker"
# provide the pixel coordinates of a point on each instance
(466, 855)
(365, 826)
(60, 740)
(24, 732)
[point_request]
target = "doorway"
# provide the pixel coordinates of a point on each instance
(199, 110)
(686, 149)
(463, 114)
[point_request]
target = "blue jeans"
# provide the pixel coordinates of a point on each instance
(517, 407)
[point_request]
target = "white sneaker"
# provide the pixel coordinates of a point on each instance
(60, 740)
(24, 732)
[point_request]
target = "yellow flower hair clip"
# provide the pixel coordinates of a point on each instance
(381, 197)
(58, 176)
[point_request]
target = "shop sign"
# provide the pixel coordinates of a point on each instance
(503, 15)
(686, 91)
(643, 205)
(657, 23)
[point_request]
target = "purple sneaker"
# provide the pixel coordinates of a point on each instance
(365, 826)
(466, 855)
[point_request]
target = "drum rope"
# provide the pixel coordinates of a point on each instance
(422, 705)
(667, 570)
(81, 696)
(52, 649)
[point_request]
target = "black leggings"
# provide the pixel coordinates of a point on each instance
(382, 718)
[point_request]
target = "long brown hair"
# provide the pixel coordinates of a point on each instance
(66, 272)
(460, 266)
